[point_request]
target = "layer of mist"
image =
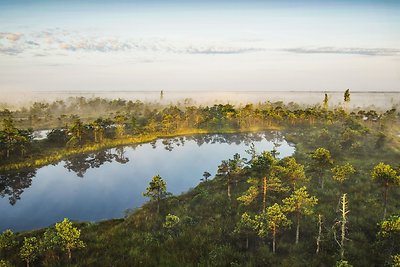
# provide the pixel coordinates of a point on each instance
(363, 100)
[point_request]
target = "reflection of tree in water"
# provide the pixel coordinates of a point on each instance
(81, 163)
(120, 155)
(153, 144)
(12, 184)
(277, 139)
(245, 138)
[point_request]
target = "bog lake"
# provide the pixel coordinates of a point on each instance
(105, 184)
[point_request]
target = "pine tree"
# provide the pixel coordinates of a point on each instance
(301, 204)
(271, 222)
(386, 177)
(156, 190)
(69, 237)
(29, 250)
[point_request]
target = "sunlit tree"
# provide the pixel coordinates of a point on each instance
(386, 177)
(291, 171)
(69, 237)
(270, 222)
(120, 125)
(29, 250)
(262, 179)
(300, 203)
(342, 172)
(7, 242)
(156, 190)
(75, 133)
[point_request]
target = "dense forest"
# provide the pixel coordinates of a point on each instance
(335, 202)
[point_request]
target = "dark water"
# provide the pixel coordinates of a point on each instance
(103, 185)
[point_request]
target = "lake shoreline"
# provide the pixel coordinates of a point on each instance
(53, 158)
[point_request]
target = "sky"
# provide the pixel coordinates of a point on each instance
(177, 45)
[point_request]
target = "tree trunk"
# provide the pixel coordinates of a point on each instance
(229, 189)
(247, 241)
(69, 254)
(298, 228)
(265, 194)
(319, 232)
(27, 263)
(273, 239)
(344, 221)
(322, 182)
(385, 194)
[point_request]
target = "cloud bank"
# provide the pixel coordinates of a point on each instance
(56, 41)
(346, 50)
(45, 42)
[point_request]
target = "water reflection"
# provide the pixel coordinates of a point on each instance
(241, 138)
(113, 179)
(12, 184)
(81, 163)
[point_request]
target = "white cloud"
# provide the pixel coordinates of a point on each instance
(345, 50)
(57, 40)
(10, 36)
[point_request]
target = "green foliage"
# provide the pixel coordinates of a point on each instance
(171, 224)
(4, 263)
(396, 260)
(342, 172)
(300, 202)
(271, 221)
(75, 132)
(262, 164)
(68, 236)
(252, 192)
(343, 263)
(322, 157)
(156, 190)
(321, 161)
(209, 227)
(7, 240)
(385, 175)
(390, 227)
(289, 170)
(246, 224)
(29, 250)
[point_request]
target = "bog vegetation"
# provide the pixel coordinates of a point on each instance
(335, 202)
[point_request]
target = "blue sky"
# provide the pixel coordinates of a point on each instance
(199, 45)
